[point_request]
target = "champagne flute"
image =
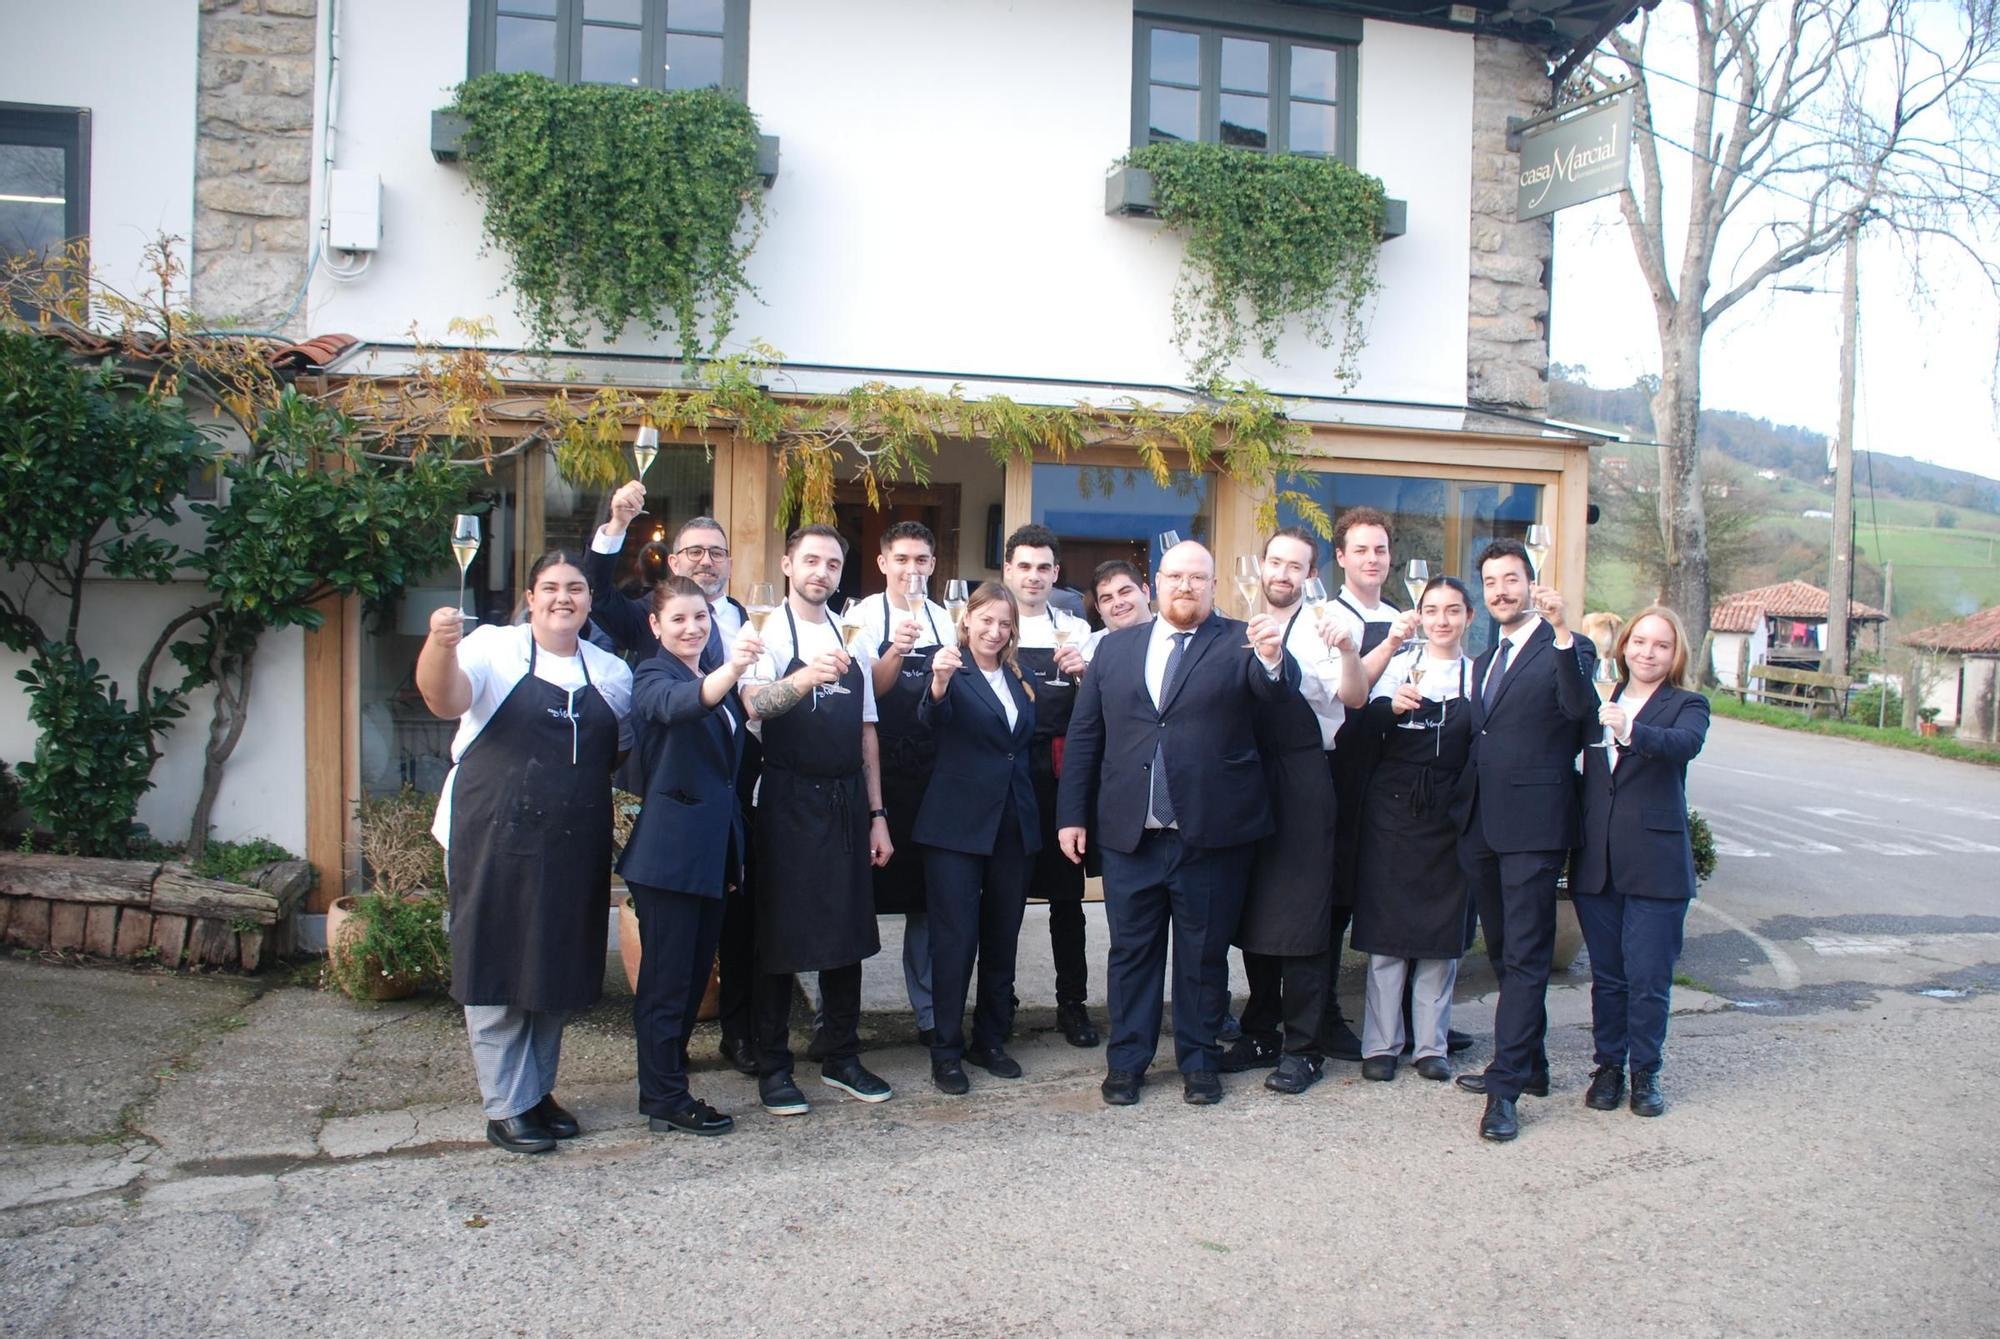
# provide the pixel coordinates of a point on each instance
(1167, 539)
(1248, 582)
(1063, 633)
(1604, 678)
(464, 546)
(763, 603)
(913, 595)
(1313, 593)
(956, 593)
(1415, 577)
(1538, 544)
(850, 627)
(1417, 670)
(645, 446)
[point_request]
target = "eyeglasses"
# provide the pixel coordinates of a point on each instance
(694, 553)
(1193, 582)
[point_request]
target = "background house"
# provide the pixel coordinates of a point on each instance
(1783, 624)
(938, 216)
(1966, 660)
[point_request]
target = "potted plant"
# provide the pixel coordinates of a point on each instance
(389, 942)
(1927, 725)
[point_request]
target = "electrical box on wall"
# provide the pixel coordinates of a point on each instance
(353, 210)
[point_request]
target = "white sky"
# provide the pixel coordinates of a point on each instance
(1925, 364)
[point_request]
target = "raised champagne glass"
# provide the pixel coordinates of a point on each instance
(464, 547)
(1063, 633)
(1604, 678)
(645, 447)
(1538, 544)
(913, 596)
(851, 628)
(1415, 577)
(763, 603)
(1249, 583)
(956, 594)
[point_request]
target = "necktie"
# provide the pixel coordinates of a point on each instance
(1160, 803)
(715, 652)
(1499, 672)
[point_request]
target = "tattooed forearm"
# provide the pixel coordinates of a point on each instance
(776, 699)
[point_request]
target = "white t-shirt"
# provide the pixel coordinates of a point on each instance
(495, 658)
(1039, 630)
(1358, 627)
(996, 679)
(814, 638)
(1441, 677)
(875, 609)
(1319, 672)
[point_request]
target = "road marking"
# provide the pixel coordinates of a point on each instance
(1990, 815)
(1781, 962)
(1948, 841)
(1848, 946)
(1860, 842)
(1783, 838)
(1727, 845)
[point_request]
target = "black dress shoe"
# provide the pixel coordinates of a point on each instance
(995, 1062)
(1647, 1099)
(1456, 1041)
(553, 1118)
(1202, 1088)
(1607, 1088)
(1250, 1051)
(1121, 1087)
(741, 1054)
(1380, 1068)
(700, 1118)
(1500, 1123)
(1295, 1074)
(1434, 1067)
(1536, 1086)
(950, 1078)
(1074, 1022)
(781, 1096)
(1340, 1043)
(520, 1134)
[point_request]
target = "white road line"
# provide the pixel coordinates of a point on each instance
(1853, 838)
(1783, 837)
(1781, 962)
(1846, 946)
(1948, 841)
(1990, 815)
(1728, 843)
(1722, 832)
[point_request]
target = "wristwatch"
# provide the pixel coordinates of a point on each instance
(878, 813)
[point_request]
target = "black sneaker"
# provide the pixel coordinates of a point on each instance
(851, 1078)
(995, 1062)
(1250, 1051)
(1295, 1074)
(699, 1118)
(781, 1096)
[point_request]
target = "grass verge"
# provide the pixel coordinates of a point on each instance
(1785, 718)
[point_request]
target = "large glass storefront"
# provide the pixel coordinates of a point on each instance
(1102, 512)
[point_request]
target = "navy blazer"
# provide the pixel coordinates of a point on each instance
(1635, 834)
(1520, 780)
(625, 619)
(1214, 771)
(690, 836)
(981, 763)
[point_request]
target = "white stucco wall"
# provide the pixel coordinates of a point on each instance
(132, 63)
(940, 203)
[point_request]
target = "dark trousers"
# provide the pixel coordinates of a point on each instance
(840, 996)
(1066, 933)
(677, 937)
(1289, 997)
(1516, 892)
(1333, 1019)
(1165, 886)
(975, 904)
(1634, 943)
(736, 969)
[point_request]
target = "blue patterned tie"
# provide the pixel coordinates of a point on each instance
(1159, 802)
(1499, 672)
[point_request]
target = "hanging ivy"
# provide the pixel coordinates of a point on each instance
(615, 204)
(1276, 236)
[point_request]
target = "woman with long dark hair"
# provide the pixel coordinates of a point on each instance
(1633, 877)
(1410, 891)
(525, 819)
(979, 830)
(685, 854)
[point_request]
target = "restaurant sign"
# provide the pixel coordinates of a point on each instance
(1577, 158)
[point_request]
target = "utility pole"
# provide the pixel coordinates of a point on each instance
(1840, 582)
(1882, 646)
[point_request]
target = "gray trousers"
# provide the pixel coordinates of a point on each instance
(1430, 1004)
(514, 1052)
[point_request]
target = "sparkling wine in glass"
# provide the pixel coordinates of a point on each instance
(913, 595)
(1417, 671)
(1063, 633)
(763, 603)
(1249, 583)
(645, 446)
(464, 547)
(956, 593)
(1415, 577)
(1538, 544)
(1605, 679)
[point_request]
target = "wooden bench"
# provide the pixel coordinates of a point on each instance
(1810, 689)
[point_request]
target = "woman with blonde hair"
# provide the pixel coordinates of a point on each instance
(979, 830)
(1633, 877)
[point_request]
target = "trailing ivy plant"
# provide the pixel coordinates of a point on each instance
(615, 204)
(1270, 237)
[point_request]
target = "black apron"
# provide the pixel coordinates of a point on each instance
(1353, 760)
(1056, 876)
(1410, 889)
(530, 857)
(815, 899)
(1288, 910)
(908, 755)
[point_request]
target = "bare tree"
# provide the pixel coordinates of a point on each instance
(1812, 121)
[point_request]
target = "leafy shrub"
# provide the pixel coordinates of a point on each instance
(390, 938)
(234, 860)
(1866, 705)
(1702, 841)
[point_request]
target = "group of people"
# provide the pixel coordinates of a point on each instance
(1330, 768)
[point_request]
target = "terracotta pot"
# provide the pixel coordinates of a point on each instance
(339, 931)
(1928, 729)
(628, 953)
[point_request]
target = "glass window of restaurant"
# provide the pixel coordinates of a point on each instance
(1101, 512)
(1444, 521)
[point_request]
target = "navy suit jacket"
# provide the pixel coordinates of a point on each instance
(690, 836)
(624, 619)
(981, 764)
(1519, 785)
(1214, 772)
(1635, 835)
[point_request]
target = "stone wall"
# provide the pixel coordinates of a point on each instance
(1506, 347)
(253, 159)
